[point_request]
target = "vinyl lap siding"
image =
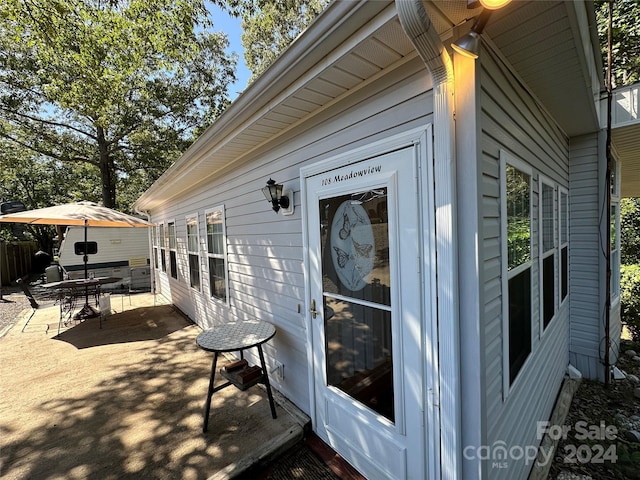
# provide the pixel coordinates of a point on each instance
(585, 293)
(265, 249)
(511, 120)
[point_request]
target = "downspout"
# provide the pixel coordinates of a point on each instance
(417, 25)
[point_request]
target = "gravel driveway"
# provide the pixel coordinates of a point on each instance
(13, 303)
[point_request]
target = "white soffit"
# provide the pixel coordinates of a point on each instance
(549, 45)
(627, 144)
(352, 42)
(376, 46)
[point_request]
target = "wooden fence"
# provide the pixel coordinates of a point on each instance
(15, 260)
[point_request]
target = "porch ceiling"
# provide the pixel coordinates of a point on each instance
(543, 41)
(625, 135)
(626, 141)
(329, 61)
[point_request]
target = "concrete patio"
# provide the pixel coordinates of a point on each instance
(126, 401)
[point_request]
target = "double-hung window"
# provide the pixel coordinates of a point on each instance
(154, 242)
(173, 259)
(548, 251)
(192, 250)
(216, 253)
(517, 264)
(563, 207)
(614, 225)
(163, 243)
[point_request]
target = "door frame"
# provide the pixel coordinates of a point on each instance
(421, 139)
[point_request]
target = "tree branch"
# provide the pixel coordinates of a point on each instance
(48, 122)
(49, 153)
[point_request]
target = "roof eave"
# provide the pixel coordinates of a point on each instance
(300, 56)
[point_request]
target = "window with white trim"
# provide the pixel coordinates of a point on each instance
(173, 254)
(614, 225)
(192, 251)
(517, 264)
(216, 253)
(548, 252)
(615, 250)
(563, 207)
(154, 242)
(163, 243)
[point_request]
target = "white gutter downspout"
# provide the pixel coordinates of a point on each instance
(418, 27)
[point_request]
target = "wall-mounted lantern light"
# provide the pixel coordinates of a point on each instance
(278, 198)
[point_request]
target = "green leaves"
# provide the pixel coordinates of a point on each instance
(630, 230)
(626, 39)
(630, 299)
(113, 84)
(630, 268)
(270, 26)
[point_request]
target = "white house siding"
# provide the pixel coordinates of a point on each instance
(512, 121)
(585, 292)
(588, 264)
(265, 249)
(615, 332)
(162, 282)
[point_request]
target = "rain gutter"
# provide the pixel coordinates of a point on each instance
(310, 48)
(418, 26)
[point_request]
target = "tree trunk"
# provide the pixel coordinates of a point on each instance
(106, 171)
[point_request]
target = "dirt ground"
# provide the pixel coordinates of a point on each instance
(125, 401)
(601, 443)
(121, 401)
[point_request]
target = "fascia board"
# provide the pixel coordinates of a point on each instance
(582, 18)
(328, 31)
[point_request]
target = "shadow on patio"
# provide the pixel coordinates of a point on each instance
(124, 401)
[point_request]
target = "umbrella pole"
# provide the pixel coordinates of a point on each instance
(1, 263)
(87, 311)
(86, 259)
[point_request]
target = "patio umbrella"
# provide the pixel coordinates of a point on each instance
(87, 214)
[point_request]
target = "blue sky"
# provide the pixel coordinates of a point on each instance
(231, 26)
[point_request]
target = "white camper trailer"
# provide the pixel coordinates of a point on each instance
(119, 252)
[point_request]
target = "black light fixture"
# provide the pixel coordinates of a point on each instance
(273, 193)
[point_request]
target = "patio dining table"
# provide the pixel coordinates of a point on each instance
(70, 291)
(81, 283)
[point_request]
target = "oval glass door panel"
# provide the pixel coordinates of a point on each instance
(356, 279)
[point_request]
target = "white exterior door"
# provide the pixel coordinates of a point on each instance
(368, 322)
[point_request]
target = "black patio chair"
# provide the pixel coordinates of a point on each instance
(27, 293)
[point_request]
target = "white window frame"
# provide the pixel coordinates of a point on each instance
(544, 254)
(162, 237)
(173, 249)
(615, 257)
(196, 252)
(156, 246)
(508, 159)
(223, 255)
(563, 218)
